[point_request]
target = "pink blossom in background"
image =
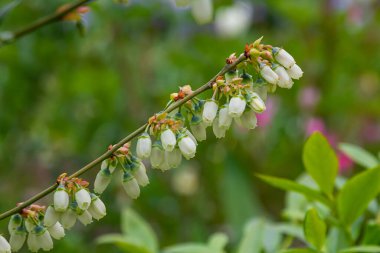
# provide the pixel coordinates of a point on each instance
(315, 124)
(308, 97)
(370, 132)
(345, 162)
(265, 118)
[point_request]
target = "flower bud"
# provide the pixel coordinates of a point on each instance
(102, 180)
(268, 74)
(85, 218)
(209, 112)
(225, 119)
(168, 140)
(51, 216)
(131, 187)
(187, 147)
(295, 72)
(257, 103)
(17, 239)
(144, 146)
(249, 120)
(56, 231)
(68, 219)
(220, 132)
(284, 80)
(83, 199)
(97, 208)
(61, 199)
(14, 222)
(4, 245)
(33, 243)
(44, 240)
(157, 156)
(173, 158)
(199, 131)
(188, 133)
(283, 57)
(236, 106)
(140, 175)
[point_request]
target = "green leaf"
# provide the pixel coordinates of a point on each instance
(124, 243)
(218, 241)
(321, 162)
(190, 248)
(135, 228)
(362, 249)
(359, 155)
(290, 229)
(289, 185)
(305, 250)
(252, 237)
(357, 193)
(337, 240)
(314, 229)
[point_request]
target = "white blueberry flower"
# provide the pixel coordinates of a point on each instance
(97, 208)
(283, 57)
(109, 164)
(168, 140)
(14, 222)
(32, 242)
(83, 199)
(140, 175)
(199, 131)
(248, 120)
(144, 146)
(131, 186)
(44, 240)
(68, 219)
(225, 119)
(188, 133)
(102, 180)
(268, 74)
(164, 166)
(284, 80)
(295, 72)
(210, 109)
(157, 156)
(29, 225)
(4, 245)
(85, 218)
(219, 132)
(236, 106)
(17, 239)
(57, 231)
(257, 103)
(61, 199)
(173, 158)
(187, 147)
(51, 216)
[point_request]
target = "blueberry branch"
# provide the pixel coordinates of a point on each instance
(131, 136)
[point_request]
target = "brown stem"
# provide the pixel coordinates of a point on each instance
(115, 147)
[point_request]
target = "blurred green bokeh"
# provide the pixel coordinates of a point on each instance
(64, 98)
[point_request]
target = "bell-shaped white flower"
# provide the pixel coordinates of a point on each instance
(268, 74)
(85, 218)
(219, 132)
(188, 133)
(210, 109)
(97, 208)
(173, 158)
(140, 175)
(225, 119)
(132, 188)
(57, 231)
(199, 131)
(257, 104)
(295, 72)
(144, 146)
(14, 222)
(157, 156)
(61, 199)
(109, 165)
(102, 180)
(44, 240)
(164, 166)
(51, 216)
(187, 147)
(236, 106)
(168, 140)
(68, 219)
(83, 199)
(4, 245)
(284, 80)
(283, 57)
(32, 242)
(29, 225)
(17, 239)
(249, 120)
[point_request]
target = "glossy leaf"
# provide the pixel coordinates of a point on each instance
(190, 248)
(252, 241)
(125, 244)
(300, 250)
(314, 229)
(359, 155)
(321, 162)
(362, 249)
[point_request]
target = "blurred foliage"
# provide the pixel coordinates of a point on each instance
(64, 98)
